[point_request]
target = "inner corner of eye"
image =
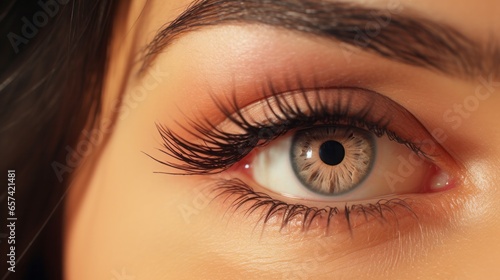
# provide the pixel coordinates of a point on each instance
(331, 162)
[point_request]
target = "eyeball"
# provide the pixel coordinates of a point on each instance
(338, 163)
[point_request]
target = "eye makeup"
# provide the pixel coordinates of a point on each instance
(219, 150)
(213, 148)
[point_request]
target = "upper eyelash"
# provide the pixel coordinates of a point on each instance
(217, 150)
(242, 194)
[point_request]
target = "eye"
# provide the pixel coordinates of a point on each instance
(335, 163)
(306, 154)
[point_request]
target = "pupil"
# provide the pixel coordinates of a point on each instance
(331, 152)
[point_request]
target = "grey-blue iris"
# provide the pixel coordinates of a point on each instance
(332, 160)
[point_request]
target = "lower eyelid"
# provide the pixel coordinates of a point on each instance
(402, 213)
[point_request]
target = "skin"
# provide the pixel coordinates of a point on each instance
(123, 219)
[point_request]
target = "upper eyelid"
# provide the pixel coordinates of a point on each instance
(213, 134)
(341, 100)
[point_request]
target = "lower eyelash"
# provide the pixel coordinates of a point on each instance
(243, 198)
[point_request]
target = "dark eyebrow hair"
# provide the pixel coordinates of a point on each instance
(406, 38)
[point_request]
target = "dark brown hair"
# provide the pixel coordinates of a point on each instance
(52, 64)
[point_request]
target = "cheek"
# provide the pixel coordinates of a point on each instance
(127, 217)
(131, 221)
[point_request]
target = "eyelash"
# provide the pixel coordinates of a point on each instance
(242, 194)
(217, 150)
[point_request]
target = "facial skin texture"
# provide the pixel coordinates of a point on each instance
(123, 219)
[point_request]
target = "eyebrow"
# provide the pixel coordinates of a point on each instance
(403, 37)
